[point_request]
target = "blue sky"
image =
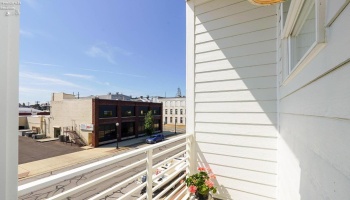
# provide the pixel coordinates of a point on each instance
(136, 47)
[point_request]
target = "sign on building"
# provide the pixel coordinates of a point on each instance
(86, 127)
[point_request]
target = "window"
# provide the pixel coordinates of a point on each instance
(171, 120)
(156, 125)
(181, 120)
(156, 110)
(128, 111)
(306, 36)
(175, 119)
(165, 120)
(166, 111)
(127, 129)
(181, 112)
(106, 111)
(171, 111)
(175, 111)
(141, 128)
(143, 110)
(107, 132)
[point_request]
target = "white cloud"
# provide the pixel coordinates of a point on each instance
(25, 33)
(82, 76)
(98, 52)
(105, 71)
(36, 33)
(48, 80)
(86, 69)
(106, 51)
(32, 90)
(42, 64)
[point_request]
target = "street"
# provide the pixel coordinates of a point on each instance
(78, 180)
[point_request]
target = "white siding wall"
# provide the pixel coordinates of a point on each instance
(313, 148)
(235, 96)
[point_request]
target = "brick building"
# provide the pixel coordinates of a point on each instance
(94, 120)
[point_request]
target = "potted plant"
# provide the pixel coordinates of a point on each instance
(200, 184)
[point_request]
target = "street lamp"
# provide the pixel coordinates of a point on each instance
(117, 124)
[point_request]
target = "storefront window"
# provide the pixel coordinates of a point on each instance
(141, 128)
(107, 132)
(157, 125)
(128, 129)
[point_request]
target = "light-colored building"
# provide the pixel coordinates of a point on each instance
(116, 96)
(174, 110)
(267, 97)
(68, 113)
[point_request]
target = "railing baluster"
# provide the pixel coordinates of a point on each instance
(149, 174)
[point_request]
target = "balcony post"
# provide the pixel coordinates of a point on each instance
(149, 174)
(9, 61)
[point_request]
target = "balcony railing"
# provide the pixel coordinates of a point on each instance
(170, 182)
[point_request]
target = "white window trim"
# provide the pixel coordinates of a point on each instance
(316, 47)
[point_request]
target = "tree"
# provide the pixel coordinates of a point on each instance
(149, 127)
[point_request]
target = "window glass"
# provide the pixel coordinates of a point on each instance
(181, 120)
(171, 120)
(156, 125)
(303, 35)
(141, 128)
(171, 111)
(106, 111)
(107, 132)
(181, 112)
(175, 111)
(128, 111)
(128, 129)
(285, 8)
(143, 110)
(156, 110)
(166, 111)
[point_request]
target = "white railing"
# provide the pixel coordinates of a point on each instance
(166, 185)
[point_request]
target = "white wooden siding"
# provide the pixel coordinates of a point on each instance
(235, 96)
(243, 61)
(240, 95)
(313, 147)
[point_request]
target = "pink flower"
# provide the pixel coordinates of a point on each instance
(212, 176)
(192, 189)
(209, 183)
(209, 169)
(201, 169)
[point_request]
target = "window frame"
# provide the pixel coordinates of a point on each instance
(290, 25)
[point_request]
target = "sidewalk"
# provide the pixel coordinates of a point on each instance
(48, 165)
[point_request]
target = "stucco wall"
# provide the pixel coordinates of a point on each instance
(313, 148)
(22, 121)
(71, 113)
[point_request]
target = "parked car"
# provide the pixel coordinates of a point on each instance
(154, 139)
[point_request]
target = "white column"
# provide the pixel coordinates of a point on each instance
(190, 91)
(9, 56)
(149, 174)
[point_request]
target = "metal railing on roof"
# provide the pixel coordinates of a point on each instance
(171, 180)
